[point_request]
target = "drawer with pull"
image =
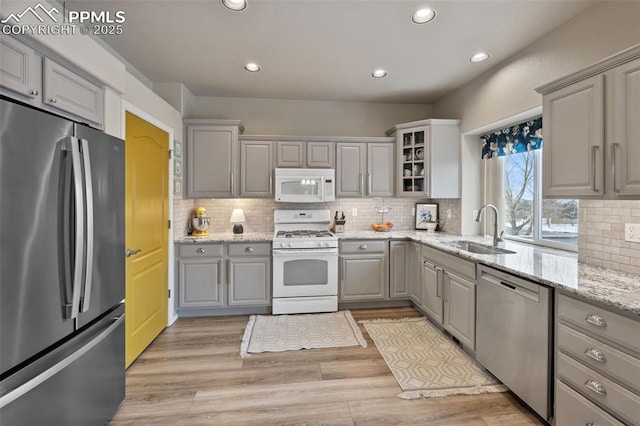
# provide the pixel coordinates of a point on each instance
(575, 410)
(613, 397)
(248, 249)
(623, 368)
(601, 322)
(201, 250)
(363, 246)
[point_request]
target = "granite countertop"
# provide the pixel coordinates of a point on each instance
(228, 237)
(551, 267)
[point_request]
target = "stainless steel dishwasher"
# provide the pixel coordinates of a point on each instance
(513, 335)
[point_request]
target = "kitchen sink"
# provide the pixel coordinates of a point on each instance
(473, 247)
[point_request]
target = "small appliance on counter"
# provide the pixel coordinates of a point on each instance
(199, 224)
(338, 223)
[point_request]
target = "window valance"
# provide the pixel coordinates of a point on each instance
(522, 137)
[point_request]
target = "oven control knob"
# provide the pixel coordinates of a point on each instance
(290, 245)
(283, 245)
(326, 244)
(319, 244)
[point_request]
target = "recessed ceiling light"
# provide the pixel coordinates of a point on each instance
(479, 57)
(379, 73)
(236, 5)
(423, 16)
(252, 67)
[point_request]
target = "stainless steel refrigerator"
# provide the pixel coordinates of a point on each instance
(62, 270)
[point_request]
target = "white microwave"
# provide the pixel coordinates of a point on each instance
(305, 185)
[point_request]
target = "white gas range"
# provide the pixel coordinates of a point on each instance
(305, 262)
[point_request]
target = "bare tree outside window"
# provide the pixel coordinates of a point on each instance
(519, 194)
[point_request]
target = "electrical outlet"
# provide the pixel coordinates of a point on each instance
(448, 213)
(413, 211)
(475, 214)
(354, 212)
(632, 232)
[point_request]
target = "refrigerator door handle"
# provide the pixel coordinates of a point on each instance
(73, 145)
(16, 393)
(88, 184)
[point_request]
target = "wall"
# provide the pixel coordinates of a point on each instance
(259, 213)
(508, 88)
(601, 234)
(309, 118)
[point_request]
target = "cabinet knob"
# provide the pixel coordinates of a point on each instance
(249, 249)
(595, 387)
(363, 247)
(53, 100)
(34, 92)
(596, 320)
(201, 250)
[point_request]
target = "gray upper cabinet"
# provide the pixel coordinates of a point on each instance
(256, 166)
(20, 69)
(365, 169)
(290, 154)
(321, 155)
(428, 158)
(591, 120)
(306, 154)
(67, 91)
(212, 158)
(29, 76)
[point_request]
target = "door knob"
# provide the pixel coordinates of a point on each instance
(129, 252)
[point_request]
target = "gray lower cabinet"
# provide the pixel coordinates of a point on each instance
(400, 269)
(256, 166)
(415, 273)
(364, 273)
(448, 293)
(597, 365)
(220, 276)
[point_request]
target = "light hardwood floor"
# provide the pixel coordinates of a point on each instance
(192, 374)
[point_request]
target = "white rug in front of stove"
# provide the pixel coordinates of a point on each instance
(279, 333)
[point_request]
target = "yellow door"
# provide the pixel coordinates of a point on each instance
(147, 218)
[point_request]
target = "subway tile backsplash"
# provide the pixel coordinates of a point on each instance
(601, 234)
(259, 213)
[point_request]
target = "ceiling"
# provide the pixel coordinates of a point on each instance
(327, 49)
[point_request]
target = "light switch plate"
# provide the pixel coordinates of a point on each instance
(354, 212)
(632, 232)
(448, 213)
(413, 211)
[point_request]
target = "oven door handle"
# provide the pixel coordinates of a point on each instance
(304, 251)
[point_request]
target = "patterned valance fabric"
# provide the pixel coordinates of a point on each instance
(522, 137)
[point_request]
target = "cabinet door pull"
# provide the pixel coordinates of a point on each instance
(369, 183)
(596, 320)
(53, 100)
(596, 355)
(592, 424)
(439, 271)
(249, 249)
(201, 250)
(363, 247)
(270, 183)
(614, 146)
(34, 92)
(593, 167)
(595, 387)
(361, 183)
(231, 183)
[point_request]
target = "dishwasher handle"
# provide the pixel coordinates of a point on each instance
(512, 286)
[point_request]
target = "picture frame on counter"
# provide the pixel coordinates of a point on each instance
(426, 216)
(177, 149)
(177, 168)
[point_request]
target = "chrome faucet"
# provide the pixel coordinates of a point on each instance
(496, 239)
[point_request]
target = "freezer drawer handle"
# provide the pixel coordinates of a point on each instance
(596, 320)
(596, 355)
(41, 378)
(595, 387)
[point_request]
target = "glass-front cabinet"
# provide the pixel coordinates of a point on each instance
(413, 164)
(428, 158)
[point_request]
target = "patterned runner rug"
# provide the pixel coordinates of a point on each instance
(425, 362)
(278, 333)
